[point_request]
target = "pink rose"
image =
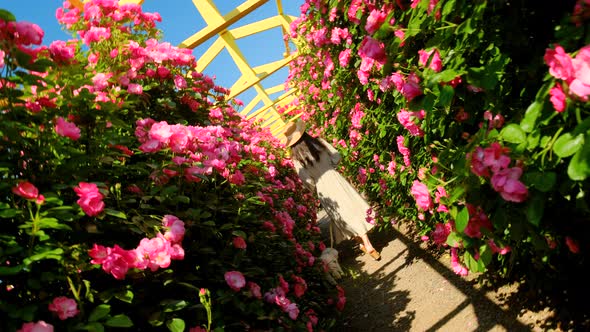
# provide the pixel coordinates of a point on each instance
(375, 20)
(154, 253)
(495, 158)
(411, 88)
(558, 98)
(254, 289)
(27, 33)
(174, 228)
(477, 220)
(26, 190)
(496, 249)
(435, 61)
(344, 57)
(580, 85)
(372, 49)
(407, 120)
(239, 242)
(62, 51)
(64, 307)
(572, 245)
(507, 183)
(180, 82)
(39, 326)
(135, 89)
(67, 129)
(458, 268)
(421, 195)
(559, 62)
(235, 280)
(441, 233)
(90, 198)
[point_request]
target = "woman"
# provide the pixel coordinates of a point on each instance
(315, 161)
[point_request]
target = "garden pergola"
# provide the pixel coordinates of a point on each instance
(220, 27)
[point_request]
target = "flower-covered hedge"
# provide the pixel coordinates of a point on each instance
(133, 195)
(469, 119)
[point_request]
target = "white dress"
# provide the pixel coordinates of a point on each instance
(343, 204)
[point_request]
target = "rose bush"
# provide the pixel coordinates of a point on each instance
(469, 119)
(133, 195)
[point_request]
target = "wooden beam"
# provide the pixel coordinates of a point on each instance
(211, 53)
(218, 26)
(240, 87)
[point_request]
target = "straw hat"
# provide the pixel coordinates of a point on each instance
(292, 132)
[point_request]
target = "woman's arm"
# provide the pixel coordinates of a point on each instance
(308, 181)
(334, 154)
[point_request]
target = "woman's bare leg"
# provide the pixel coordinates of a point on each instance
(364, 239)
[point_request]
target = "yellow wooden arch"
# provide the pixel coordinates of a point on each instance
(217, 27)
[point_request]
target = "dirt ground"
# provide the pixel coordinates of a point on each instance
(411, 290)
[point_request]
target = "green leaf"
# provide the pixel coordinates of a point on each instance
(10, 270)
(514, 134)
(52, 223)
(183, 199)
(119, 321)
(6, 16)
(173, 305)
(93, 327)
(175, 325)
(446, 96)
(566, 145)
(9, 213)
(115, 213)
(240, 234)
(454, 239)
(49, 254)
(125, 296)
(462, 219)
(579, 166)
(485, 254)
(542, 181)
(472, 264)
(41, 65)
(535, 209)
(531, 115)
(101, 311)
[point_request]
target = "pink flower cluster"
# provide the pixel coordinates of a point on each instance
(403, 150)
(441, 233)
(575, 72)
(477, 220)
(408, 86)
(435, 62)
(458, 268)
(506, 181)
(64, 307)
(407, 120)
(372, 53)
(151, 253)
(27, 190)
(90, 198)
(279, 297)
(235, 280)
(66, 129)
(39, 326)
(422, 196)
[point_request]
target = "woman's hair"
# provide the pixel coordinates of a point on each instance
(307, 150)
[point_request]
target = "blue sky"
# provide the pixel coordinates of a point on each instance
(180, 20)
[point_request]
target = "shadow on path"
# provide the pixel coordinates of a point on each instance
(411, 290)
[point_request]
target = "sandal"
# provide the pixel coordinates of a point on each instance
(376, 256)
